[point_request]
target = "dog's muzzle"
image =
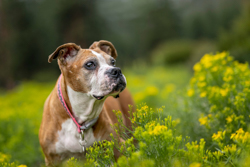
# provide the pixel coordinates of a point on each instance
(116, 77)
(115, 83)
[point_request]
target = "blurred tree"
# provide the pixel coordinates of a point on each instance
(172, 52)
(67, 21)
(237, 39)
(203, 18)
(5, 56)
(31, 30)
(12, 48)
(136, 27)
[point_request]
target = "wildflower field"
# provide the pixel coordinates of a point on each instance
(182, 119)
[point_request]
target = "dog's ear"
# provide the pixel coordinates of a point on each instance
(64, 51)
(106, 47)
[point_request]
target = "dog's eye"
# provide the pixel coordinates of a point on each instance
(90, 65)
(113, 62)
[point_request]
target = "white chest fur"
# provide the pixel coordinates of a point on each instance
(68, 138)
(85, 107)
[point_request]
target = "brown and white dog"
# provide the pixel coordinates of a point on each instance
(89, 83)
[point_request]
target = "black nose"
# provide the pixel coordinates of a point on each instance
(115, 72)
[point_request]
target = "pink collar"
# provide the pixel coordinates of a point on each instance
(79, 127)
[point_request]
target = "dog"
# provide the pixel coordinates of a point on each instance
(78, 111)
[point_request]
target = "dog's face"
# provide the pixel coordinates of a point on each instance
(92, 70)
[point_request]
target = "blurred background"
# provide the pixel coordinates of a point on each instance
(152, 32)
(158, 42)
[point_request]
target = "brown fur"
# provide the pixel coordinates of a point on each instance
(54, 114)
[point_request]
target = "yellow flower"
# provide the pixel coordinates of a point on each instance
(222, 55)
(195, 164)
(232, 135)
(201, 84)
(133, 120)
(230, 148)
(208, 64)
(206, 60)
(203, 121)
(214, 90)
(152, 124)
(229, 71)
(241, 136)
(229, 119)
(227, 79)
(190, 92)
(219, 135)
(197, 67)
(158, 130)
(224, 92)
(202, 78)
(4, 157)
(217, 154)
(193, 80)
(22, 166)
(145, 107)
(203, 94)
(214, 69)
(152, 90)
(243, 67)
(240, 131)
(247, 83)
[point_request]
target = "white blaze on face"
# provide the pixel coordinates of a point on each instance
(100, 82)
(85, 107)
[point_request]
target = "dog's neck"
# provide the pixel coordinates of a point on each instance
(84, 106)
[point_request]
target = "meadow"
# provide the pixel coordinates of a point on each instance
(183, 118)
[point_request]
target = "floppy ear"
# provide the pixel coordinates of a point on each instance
(106, 47)
(64, 51)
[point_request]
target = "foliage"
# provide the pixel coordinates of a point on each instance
(5, 161)
(220, 87)
(181, 51)
(172, 52)
(20, 117)
(219, 92)
(22, 107)
(154, 135)
(201, 48)
(158, 145)
(156, 85)
(202, 20)
(205, 124)
(236, 39)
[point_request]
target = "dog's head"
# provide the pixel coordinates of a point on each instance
(92, 70)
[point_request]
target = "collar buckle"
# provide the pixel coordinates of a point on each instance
(82, 141)
(89, 124)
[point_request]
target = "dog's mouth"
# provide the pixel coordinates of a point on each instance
(114, 92)
(101, 97)
(98, 97)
